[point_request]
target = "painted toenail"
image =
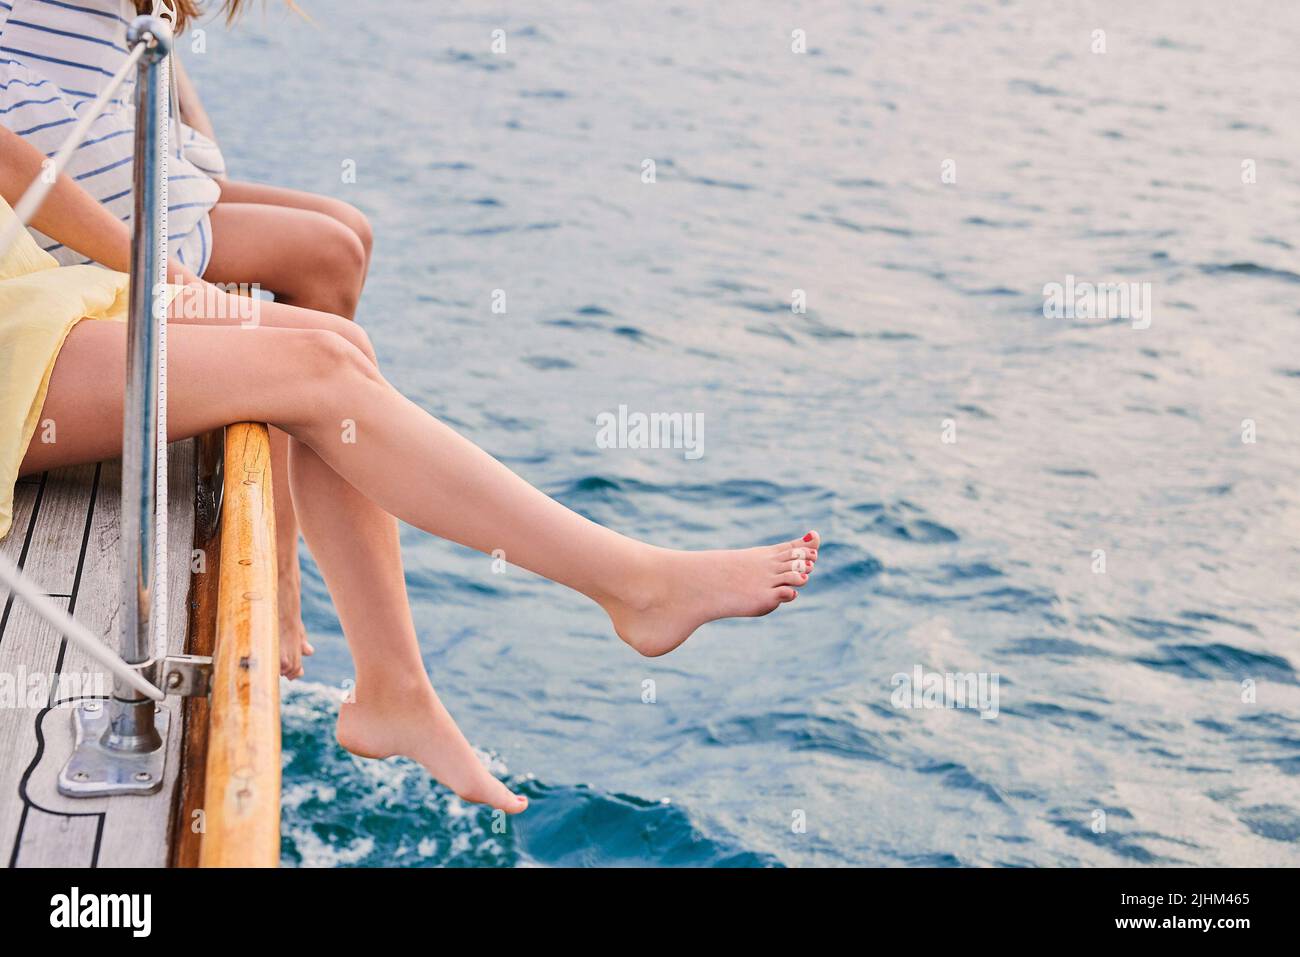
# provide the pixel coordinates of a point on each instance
(808, 537)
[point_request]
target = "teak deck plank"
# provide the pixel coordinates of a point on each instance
(66, 532)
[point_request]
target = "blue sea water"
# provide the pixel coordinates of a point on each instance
(1161, 693)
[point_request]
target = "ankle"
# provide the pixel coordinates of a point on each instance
(643, 584)
(289, 591)
(399, 687)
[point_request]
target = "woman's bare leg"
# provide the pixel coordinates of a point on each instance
(209, 308)
(236, 191)
(355, 542)
(312, 252)
(306, 258)
(294, 643)
(446, 485)
(327, 394)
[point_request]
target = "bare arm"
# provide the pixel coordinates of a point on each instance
(69, 214)
(191, 107)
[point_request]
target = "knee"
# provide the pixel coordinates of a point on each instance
(354, 334)
(328, 364)
(356, 221)
(342, 265)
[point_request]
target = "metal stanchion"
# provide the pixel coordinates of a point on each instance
(121, 748)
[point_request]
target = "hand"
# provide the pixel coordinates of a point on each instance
(181, 275)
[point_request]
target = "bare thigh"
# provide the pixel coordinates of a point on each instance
(234, 191)
(275, 246)
(276, 315)
(216, 375)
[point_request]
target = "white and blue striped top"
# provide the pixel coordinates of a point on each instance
(55, 58)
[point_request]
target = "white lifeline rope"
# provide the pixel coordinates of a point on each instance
(72, 629)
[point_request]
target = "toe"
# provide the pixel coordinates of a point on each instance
(809, 543)
(495, 794)
(785, 593)
(796, 578)
(307, 648)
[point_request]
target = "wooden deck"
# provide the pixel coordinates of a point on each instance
(65, 536)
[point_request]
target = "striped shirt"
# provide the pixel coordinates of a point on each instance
(55, 58)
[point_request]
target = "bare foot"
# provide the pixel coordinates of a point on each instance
(683, 590)
(417, 726)
(294, 645)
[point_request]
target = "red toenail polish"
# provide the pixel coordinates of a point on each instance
(808, 537)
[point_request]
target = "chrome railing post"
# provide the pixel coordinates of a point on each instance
(124, 750)
(140, 417)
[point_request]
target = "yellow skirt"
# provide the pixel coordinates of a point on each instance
(40, 302)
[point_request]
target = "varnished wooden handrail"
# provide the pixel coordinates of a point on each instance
(241, 806)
